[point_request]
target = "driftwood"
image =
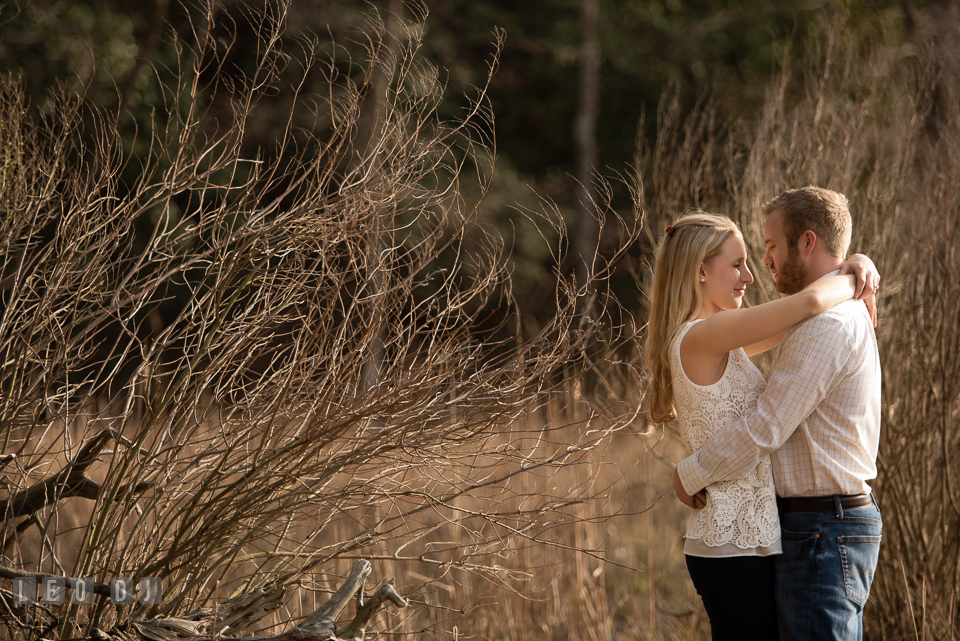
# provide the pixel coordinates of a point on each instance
(238, 613)
(321, 625)
(69, 482)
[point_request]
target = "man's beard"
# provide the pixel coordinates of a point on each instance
(792, 276)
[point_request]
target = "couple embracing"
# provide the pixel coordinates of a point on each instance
(785, 534)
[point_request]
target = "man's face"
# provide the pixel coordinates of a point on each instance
(782, 258)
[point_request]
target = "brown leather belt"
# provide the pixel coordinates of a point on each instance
(822, 503)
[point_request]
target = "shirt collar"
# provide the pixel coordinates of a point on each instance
(835, 272)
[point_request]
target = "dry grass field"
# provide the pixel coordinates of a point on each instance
(615, 572)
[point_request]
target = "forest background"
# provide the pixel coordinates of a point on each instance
(643, 49)
(292, 285)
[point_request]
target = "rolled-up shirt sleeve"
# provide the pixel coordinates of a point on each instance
(811, 360)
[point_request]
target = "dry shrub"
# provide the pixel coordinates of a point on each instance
(307, 359)
(869, 120)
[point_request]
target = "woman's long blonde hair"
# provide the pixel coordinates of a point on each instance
(675, 297)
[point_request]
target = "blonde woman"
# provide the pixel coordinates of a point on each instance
(700, 374)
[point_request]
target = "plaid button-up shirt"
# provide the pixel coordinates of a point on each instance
(819, 418)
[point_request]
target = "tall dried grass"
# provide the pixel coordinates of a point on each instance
(877, 120)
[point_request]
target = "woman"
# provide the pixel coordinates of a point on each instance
(700, 375)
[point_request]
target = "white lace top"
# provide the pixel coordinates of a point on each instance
(740, 517)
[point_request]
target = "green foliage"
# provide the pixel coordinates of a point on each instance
(77, 44)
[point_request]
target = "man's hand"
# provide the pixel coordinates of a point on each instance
(868, 278)
(696, 501)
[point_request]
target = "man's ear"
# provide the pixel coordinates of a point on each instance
(807, 242)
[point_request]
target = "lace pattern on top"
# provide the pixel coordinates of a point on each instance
(742, 512)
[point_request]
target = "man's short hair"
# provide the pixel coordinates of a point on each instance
(824, 212)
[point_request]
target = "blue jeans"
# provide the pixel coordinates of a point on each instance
(824, 575)
(737, 593)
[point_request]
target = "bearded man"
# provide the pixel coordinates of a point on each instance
(819, 420)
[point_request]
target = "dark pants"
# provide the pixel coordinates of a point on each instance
(738, 594)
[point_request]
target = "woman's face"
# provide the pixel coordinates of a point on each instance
(724, 278)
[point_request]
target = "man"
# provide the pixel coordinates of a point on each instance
(819, 420)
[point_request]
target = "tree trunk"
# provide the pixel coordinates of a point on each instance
(935, 29)
(585, 137)
(587, 239)
(369, 133)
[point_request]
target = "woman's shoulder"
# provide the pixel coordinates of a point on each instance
(684, 328)
(688, 325)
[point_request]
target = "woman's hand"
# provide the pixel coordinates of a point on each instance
(868, 278)
(868, 282)
(700, 499)
(871, 303)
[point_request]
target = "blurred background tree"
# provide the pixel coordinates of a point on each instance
(120, 54)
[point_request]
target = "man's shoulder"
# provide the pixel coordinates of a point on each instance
(847, 313)
(849, 318)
